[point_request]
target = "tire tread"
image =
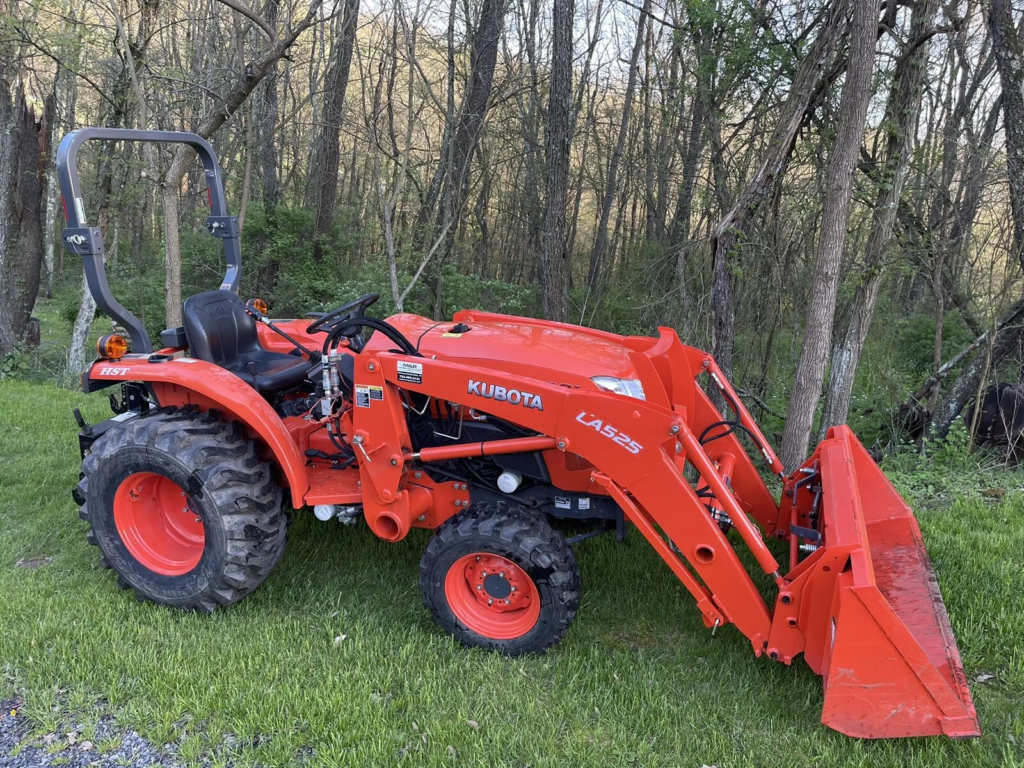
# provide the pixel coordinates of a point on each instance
(231, 472)
(530, 536)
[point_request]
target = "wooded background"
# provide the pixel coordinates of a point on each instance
(829, 195)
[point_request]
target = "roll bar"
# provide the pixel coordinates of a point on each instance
(85, 241)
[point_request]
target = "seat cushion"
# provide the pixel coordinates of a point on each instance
(272, 371)
(220, 331)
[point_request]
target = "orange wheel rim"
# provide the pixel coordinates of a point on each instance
(492, 596)
(158, 524)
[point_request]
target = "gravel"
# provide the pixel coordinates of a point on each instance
(68, 747)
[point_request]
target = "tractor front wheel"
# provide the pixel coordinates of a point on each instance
(498, 577)
(183, 509)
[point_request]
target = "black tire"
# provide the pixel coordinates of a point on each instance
(232, 492)
(526, 539)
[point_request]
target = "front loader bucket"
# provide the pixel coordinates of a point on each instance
(887, 650)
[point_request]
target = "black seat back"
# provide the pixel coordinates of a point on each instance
(218, 328)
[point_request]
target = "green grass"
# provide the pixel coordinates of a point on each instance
(637, 681)
(49, 361)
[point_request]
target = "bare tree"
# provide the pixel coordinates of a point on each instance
(227, 104)
(554, 257)
(729, 232)
(1008, 47)
(462, 128)
(25, 255)
(8, 164)
(601, 241)
(323, 177)
(267, 128)
(810, 372)
(889, 176)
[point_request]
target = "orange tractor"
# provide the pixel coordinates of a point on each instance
(486, 429)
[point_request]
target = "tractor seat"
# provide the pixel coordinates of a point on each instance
(220, 331)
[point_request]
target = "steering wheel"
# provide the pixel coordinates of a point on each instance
(355, 308)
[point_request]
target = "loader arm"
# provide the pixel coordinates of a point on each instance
(878, 632)
(631, 443)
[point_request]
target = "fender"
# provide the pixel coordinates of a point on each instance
(187, 381)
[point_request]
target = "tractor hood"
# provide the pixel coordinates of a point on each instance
(536, 348)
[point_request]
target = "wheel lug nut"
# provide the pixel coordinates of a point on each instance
(479, 586)
(507, 602)
(490, 601)
(502, 574)
(485, 573)
(513, 587)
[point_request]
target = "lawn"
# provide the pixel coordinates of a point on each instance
(334, 660)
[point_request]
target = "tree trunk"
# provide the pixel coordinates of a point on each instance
(901, 117)
(680, 230)
(554, 255)
(81, 354)
(835, 216)
(169, 196)
(730, 230)
(530, 117)
(1008, 47)
(267, 133)
(966, 384)
(7, 174)
(483, 56)
(65, 88)
(29, 139)
(323, 179)
(249, 150)
(244, 85)
(601, 242)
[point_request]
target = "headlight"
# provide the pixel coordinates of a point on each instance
(627, 387)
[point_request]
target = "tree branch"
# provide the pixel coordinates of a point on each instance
(239, 6)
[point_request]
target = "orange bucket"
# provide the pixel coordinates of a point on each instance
(872, 618)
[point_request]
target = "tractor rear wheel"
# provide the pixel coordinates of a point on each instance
(498, 577)
(183, 508)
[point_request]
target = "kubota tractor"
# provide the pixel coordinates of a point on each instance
(484, 429)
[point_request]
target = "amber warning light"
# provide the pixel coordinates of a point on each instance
(113, 346)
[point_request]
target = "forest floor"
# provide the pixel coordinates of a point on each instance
(334, 661)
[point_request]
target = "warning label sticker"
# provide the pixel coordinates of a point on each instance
(410, 373)
(563, 502)
(362, 397)
(376, 393)
(585, 502)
